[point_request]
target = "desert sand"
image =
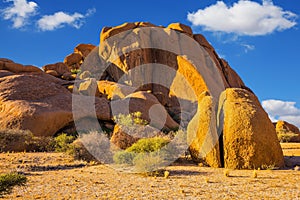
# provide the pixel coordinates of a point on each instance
(58, 176)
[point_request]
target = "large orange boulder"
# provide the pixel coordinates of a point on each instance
(39, 103)
(34, 103)
(249, 137)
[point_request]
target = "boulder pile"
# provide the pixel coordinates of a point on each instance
(168, 98)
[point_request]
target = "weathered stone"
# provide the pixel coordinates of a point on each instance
(35, 103)
(68, 76)
(85, 74)
(18, 68)
(59, 67)
(73, 59)
(84, 49)
(89, 87)
(39, 103)
(204, 146)
(113, 90)
(250, 139)
(52, 73)
(182, 28)
(121, 139)
(283, 126)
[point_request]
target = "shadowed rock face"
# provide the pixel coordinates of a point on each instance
(181, 74)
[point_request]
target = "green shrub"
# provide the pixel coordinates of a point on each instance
(63, 142)
(148, 145)
(288, 137)
(130, 120)
(8, 181)
(75, 71)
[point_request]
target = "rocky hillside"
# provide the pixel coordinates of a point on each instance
(173, 77)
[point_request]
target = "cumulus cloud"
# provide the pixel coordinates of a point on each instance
(282, 110)
(19, 12)
(244, 18)
(60, 19)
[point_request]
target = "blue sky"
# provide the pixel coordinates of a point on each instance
(259, 39)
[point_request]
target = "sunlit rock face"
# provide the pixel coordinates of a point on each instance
(173, 77)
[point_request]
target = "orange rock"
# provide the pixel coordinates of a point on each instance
(108, 32)
(204, 146)
(73, 60)
(113, 90)
(68, 76)
(39, 103)
(6, 60)
(52, 73)
(250, 139)
(121, 139)
(89, 87)
(231, 76)
(59, 67)
(283, 126)
(111, 31)
(84, 49)
(182, 28)
(18, 68)
(35, 103)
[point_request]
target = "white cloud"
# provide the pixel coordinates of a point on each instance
(244, 18)
(282, 110)
(19, 12)
(248, 47)
(60, 19)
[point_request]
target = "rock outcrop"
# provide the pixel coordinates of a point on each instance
(287, 132)
(174, 78)
(283, 126)
(35, 103)
(9, 65)
(40, 103)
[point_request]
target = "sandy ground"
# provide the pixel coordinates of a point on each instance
(58, 176)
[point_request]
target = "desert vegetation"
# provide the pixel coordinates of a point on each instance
(9, 180)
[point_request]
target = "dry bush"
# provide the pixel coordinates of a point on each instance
(20, 140)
